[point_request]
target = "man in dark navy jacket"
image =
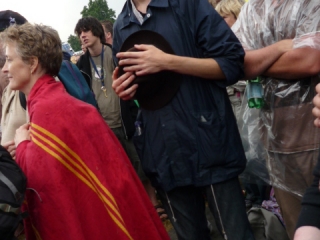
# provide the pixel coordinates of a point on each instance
(191, 147)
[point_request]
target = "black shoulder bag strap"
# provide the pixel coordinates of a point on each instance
(23, 100)
(7, 207)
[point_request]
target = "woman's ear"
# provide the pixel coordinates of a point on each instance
(34, 63)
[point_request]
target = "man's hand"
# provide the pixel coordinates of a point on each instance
(22, 134)
(147, 60)
(11, 148)
(316, 109)
(120, 84)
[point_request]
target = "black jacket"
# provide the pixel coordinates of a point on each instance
(310, 210)
(128, 109)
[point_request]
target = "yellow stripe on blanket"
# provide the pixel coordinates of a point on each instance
(72, 161)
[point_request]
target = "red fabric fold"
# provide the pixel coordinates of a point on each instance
(84, 186)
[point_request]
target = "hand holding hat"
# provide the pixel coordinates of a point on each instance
(156, 89)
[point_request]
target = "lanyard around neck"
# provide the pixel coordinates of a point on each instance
(101, 74)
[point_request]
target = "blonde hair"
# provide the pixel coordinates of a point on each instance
(226, 7)
(36, 40)
(214, 2)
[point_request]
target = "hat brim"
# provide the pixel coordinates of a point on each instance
(154, 90)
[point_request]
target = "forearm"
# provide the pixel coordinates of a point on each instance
(297, 63)
(258, 61)
(205, 67)
(307, 233)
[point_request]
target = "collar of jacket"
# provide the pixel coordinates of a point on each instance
(129, 15)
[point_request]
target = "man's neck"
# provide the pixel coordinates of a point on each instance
(141, 5)
(95, 50)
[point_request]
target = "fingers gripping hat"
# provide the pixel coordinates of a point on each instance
(9, 17)
(154, 90)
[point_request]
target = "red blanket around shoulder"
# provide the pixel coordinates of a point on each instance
(84, 186)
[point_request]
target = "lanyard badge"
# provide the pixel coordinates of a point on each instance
(101, 74)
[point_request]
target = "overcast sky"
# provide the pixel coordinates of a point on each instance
(62, 15)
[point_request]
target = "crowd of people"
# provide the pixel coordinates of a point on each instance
(164, 142)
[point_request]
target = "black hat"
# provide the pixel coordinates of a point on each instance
(155, 90)
(9, 17)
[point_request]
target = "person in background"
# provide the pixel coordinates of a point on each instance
(108, 31)
(289, 71)
(3, 78)
(118, 114)
(66, 56)
(308, 227)
(83, 48)
(77, 170)
(229, 10)
(191, 147)
(13, 114)
(256, 190)
(74, 59)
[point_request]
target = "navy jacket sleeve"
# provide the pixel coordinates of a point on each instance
(116, 43)
(215, 38)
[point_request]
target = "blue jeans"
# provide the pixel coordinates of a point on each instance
(185, 207)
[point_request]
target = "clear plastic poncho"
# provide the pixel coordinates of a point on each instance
(280, 140)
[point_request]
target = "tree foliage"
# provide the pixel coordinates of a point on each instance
(99, 9)
(74, 43)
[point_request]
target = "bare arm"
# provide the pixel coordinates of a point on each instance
(316, 109)
(205, 67)
(297, 63)
(151, 60)
(258, 61)
(307, 233)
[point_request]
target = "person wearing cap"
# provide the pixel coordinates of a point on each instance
(289, 71)
(189, 142)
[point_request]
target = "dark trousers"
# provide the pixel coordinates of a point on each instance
(185, 207)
